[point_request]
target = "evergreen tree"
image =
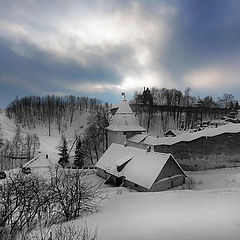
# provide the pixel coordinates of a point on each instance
(78, 159)
(63, 159)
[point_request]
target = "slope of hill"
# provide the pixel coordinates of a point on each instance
(47, 143)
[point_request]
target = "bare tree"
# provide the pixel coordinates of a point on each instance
(225, 100)
(22, 199)
(72, 194)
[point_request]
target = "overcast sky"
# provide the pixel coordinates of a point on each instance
(103, 47)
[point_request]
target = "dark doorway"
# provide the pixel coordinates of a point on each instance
(119, 181)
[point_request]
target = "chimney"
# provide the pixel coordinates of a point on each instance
(46, 155)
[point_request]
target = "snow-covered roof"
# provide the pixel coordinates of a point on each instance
(170, 132)
(124, 108)
(124, 159)
(190, 136)
(42, 161)
(124, 119)
(142, 169)
(137, 138)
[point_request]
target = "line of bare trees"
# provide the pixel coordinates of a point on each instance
(175, 97)
(35, 110)
(159, 120)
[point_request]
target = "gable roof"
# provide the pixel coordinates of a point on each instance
(124, 108)
(142, 169)
(170, 132)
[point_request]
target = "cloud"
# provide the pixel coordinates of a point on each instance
(104, 47)
(213, 77)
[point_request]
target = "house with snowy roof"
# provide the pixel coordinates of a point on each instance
(170, 133)
(43, 162)
(128, 165)
(142, 170)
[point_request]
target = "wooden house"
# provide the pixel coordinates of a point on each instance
(142, 170)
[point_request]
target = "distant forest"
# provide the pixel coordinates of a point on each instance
(34, 110)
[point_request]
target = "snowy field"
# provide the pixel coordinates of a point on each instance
(209, 214)
(211, 211)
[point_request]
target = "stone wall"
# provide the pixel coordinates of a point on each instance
(206, 152)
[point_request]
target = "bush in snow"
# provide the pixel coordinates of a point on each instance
(61, 232)
(72, 194)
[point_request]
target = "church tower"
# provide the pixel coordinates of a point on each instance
(123, 125)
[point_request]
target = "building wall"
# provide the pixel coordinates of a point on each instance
(120, 137)
(170, 169)
(136, 145)
(134, 186)
(163, 184)
(206, 152)
(102, 173)
(116, 137)
(168, 183)
(130, 134)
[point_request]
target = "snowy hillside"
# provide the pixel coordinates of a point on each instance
(8, 126)
(47, 143)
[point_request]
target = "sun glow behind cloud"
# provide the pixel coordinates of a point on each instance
(112, 46)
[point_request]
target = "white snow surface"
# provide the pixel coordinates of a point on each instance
(124, 159)
(137, 138)
(142, 169)
(124, 107)
(169, 215)
(41, 161)
(212, 213)
(8, 126)
(125, 122)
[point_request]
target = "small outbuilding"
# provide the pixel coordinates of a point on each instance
(142, 170)
(170, 133)
(43, 163)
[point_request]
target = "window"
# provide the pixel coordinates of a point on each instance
(135, 185)
(124, 133)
